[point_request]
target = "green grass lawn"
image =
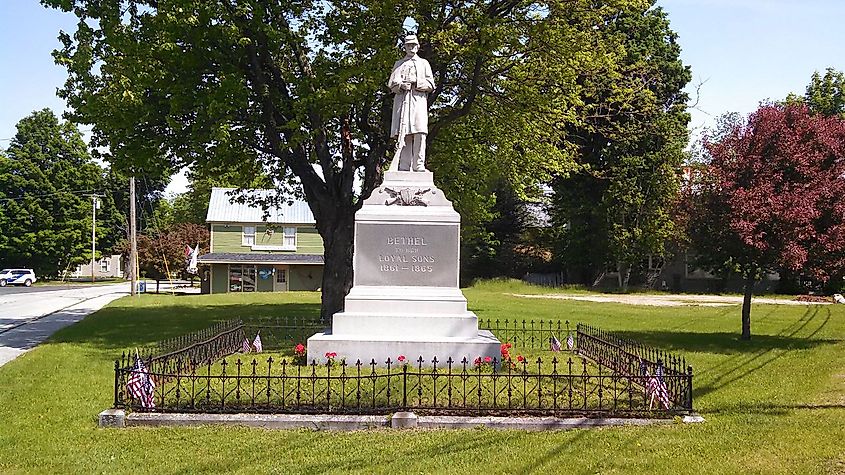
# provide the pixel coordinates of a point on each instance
(773, 405)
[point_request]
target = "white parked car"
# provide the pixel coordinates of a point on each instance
(17, 277)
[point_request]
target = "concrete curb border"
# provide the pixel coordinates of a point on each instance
(399, 420)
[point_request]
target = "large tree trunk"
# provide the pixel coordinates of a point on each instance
(627, 279)
(619, 274)
(746, 308)
(338, 234)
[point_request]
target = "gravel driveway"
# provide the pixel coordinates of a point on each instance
(669, 300)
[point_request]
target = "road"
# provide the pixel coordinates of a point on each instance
(28, 316)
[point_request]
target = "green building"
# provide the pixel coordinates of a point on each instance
(254, 251)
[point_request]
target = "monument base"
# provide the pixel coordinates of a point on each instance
(405, 299)
(367, 348)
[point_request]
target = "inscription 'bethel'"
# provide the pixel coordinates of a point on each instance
(406, 241)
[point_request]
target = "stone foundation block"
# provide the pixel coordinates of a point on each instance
(113, 418)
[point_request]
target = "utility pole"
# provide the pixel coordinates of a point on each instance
(95, 203)
(133, 246)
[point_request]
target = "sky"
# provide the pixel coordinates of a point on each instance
(741, 52)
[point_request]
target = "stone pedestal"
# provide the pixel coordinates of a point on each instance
(405, 298)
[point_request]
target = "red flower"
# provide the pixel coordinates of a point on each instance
(520, 358)
(300, 349)
(478, 361)
(331, 355)
(401, 358)
(487, 359)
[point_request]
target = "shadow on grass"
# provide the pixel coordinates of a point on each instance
(745, 357)
(770, 409)
(726, 343)
(544, 463)
(469, 442)
(118, 328)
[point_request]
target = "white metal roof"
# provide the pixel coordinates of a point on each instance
(222, 210)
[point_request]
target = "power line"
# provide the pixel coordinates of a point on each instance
(49, 194)
(73, 192)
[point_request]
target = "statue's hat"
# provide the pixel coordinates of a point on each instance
(411, 39)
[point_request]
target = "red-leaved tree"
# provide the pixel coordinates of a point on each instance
(772, 197)
(162, 255)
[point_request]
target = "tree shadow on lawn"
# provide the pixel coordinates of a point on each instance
(119, 328)
(745, 357)
(729, 343)
(770, 409)
(457, 444)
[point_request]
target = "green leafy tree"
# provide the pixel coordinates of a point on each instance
(510, 244)
(297, 91)
(192, 205)
(614, 209)
(44, 213)
(825, 94)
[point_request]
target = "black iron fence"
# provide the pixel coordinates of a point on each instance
(529, 334)
(549, 279)
(603, 378)
(283, 332)
(629, 357)
(565, 387)
(183, 342)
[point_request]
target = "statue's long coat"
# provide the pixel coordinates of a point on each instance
(417, 70)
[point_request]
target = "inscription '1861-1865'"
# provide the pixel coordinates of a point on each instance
(418, 255)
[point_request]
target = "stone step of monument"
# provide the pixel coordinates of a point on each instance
(407, 299)
(412, 347)
(414, 307)
(400, 324)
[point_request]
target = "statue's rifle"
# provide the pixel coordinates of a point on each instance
(405, 118)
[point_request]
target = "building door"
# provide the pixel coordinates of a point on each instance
(281, 279)
(249, 275)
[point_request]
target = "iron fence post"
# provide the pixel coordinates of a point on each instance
(405, 387)
(689, 388)
(116, 380)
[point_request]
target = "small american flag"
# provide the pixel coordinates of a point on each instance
(141, 385)
(570, 342)
(655, 388)
(245, 346)
(555, 343)
(257, 343)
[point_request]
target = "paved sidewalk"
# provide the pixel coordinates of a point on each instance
(25, 324)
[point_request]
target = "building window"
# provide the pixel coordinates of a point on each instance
(105, 265)
(242, 278)
(248, 238)
(281, 276)
(235, 278)
(290, 238)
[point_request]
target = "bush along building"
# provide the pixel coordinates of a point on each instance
(252, 254)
